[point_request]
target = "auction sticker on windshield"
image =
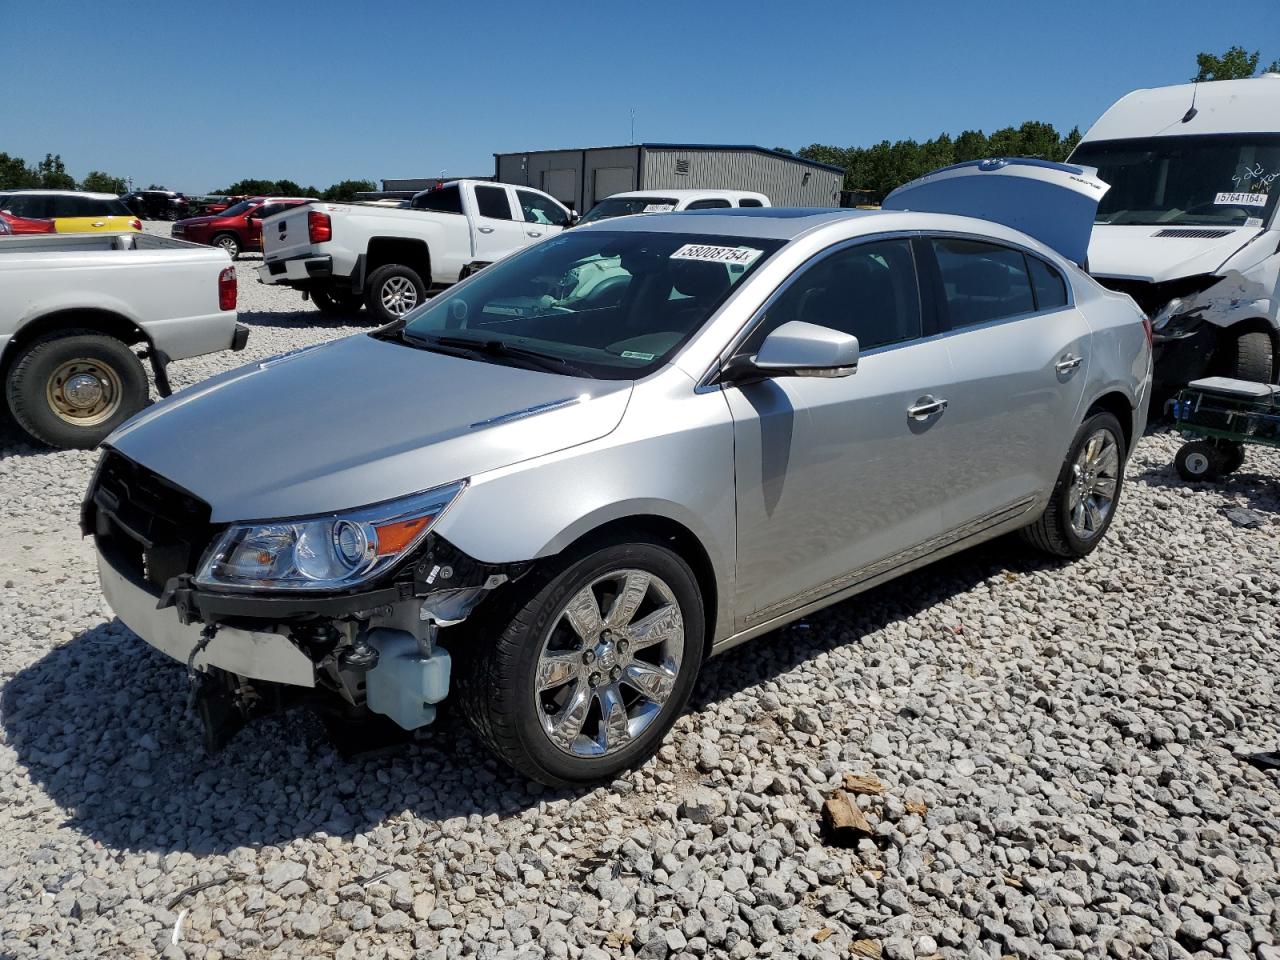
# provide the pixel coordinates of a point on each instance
(1241, 199)
(709, 254)
(659, 207)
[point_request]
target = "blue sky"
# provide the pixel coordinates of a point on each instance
(194, 95)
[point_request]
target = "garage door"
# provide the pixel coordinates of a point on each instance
(611, 180)
(561, 184)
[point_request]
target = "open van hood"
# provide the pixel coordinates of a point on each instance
(1157, 254)
(1053, 202)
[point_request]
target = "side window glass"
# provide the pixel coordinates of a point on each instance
(750, 202)
(539, 209)
(444, 200)
(710, 203)
(492, 203)
(1050, 287)
(982, 281)
(867, 290)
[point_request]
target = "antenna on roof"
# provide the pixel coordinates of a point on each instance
(1192, 111)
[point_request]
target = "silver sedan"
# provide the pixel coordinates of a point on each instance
(554, 490)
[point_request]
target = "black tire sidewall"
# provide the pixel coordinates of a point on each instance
(218, 242)
(1078, 545)
(373, 296)
(29, 377)
(552, 764)
(1250, 356)
(331, 302)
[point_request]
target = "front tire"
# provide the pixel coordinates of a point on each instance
(71, 389)
(1249, 356)
(228, 242)
(392, 291)
(591, 667)
(1085, 497)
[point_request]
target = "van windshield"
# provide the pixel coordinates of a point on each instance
(614, 305)
(1218, 179)
(612, 207)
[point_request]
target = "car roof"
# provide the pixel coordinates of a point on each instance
(684, 193)
(788, 223)
(61, 193)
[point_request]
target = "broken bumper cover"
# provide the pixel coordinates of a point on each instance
(297, 270)
(251, 654)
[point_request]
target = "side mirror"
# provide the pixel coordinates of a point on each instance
(799, 349)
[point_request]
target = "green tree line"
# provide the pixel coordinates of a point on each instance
(342, 190)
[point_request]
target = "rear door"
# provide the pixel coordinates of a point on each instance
(495, 230)
(82, 214)
(1019, 353)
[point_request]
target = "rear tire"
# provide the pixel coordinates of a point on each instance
(337, 302)
(1079, 514)
(537, 684)
(392, 291)
(1249, 356)
(228, 242)
(71, 389)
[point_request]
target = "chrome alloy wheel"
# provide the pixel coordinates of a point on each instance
(1094, 480)
(84, 392)
(398, 295)
(603, 677)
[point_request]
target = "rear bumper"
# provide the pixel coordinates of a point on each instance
(257, 656)
(296, 271)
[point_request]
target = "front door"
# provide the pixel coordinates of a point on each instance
(840, 479)
(497, 232)
(1020, 352)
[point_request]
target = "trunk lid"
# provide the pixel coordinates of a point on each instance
(1054, 203)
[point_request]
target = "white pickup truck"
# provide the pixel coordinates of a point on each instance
(345, 254)
(72, 308)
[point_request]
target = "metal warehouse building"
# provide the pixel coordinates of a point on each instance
(581, 178)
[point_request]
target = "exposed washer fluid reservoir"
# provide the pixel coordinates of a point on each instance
(405, 685)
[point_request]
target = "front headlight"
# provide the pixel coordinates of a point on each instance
(332, 552)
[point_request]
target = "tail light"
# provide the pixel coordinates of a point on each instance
(1146, 328)
(135, 223)
(227, 289)
(319, 227)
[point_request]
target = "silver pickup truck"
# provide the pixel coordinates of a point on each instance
(74, 307)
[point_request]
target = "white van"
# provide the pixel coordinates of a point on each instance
(668, 201)
(1189, 227)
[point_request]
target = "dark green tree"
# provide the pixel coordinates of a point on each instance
(288, 188)
(1236, 64)
(347, 189)
(98, 182)
(14, 173)
(254, 188)
(53, 173)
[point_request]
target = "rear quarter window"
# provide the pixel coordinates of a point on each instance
(1050, 287)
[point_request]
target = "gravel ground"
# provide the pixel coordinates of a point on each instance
(1063, 753)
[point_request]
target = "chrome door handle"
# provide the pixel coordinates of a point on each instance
(926, 407)
(535, 233)
(1068, 363)
(485, 229)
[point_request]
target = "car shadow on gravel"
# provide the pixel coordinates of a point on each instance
(309, 319)
(100, 725)
(1260, 490)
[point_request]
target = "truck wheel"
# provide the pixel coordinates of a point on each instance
(1248, 356)
(71, 389)
(1088, 489)
(337, 302)
(582, 677)
(1198, 462)
(228, 242)
(393, 291)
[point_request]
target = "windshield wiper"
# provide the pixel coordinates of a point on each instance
(501, 348)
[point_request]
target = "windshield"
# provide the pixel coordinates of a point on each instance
(612, 207)
(1221, 180)
(615, 305)
(239, 208)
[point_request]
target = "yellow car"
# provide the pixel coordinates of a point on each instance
(72, 211)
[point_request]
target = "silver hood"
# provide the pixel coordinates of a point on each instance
(1157, 254)
(359, 421)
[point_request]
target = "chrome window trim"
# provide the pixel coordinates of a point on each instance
(708, 379)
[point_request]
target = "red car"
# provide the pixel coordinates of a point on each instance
(238, 228)
(25, 224)
(221, 205)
